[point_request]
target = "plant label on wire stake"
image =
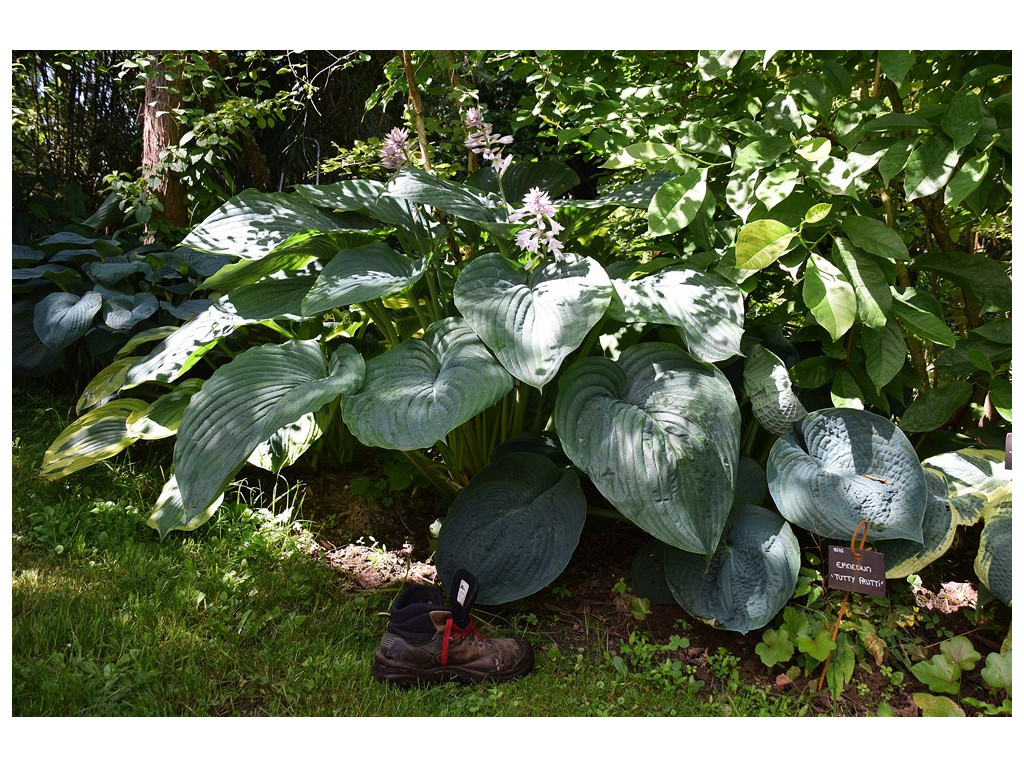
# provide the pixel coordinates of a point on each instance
(856, 570)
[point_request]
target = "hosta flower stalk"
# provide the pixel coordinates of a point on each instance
(484, 142)
(394, 155)
(539, 213)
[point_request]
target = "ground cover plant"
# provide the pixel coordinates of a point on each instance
(781, 318)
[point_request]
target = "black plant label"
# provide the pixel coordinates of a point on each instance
(861, 571)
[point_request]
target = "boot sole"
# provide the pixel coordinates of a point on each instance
(397, 674)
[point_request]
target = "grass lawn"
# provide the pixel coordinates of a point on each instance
(238, 618)
(244, 617)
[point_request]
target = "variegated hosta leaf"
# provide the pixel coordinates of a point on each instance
(161, 419)
(514, 526)
(749, 578)
(246, 305)
(252, 224)
(105, 384)
(242, 404)
(903, 557)
(706, 309)
(974, 476)
(98, 435)
(169, 512)
(766, 380)
(177, 353)
(658, 434)
(419, 391)
(291, 255)
(61, 319)
(146, 336)
(361, 274)
(842, 466)
(995, 550)
(532, 320)
(285, 446)
(273, 297)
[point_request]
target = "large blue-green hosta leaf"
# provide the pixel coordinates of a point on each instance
(658, 434)
(706, 309)
(61, 319)
(532, 320)
(252, 224)
(125, 312)
(110, 273)
(361, 274)
(244, 403)
(842, 466)
(363, 196)
(418, 186)
(418, 392)
(29, 356)
(903, 557)
(519, 178)
(514, 526)
(766, 380)
(636, 195)
(749, 578)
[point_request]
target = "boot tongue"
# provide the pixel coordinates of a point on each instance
(464, 590)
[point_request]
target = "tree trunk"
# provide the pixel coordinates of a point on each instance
(160, 131)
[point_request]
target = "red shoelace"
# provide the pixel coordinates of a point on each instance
(452, 632)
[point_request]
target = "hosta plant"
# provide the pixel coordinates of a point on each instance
(368, 318)
(78, 297)
(738, 293)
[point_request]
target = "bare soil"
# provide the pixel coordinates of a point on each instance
(382, 542)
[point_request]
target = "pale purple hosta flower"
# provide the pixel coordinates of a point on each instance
(393, 155)
(483, 142)
(538, 211)
(501, 165)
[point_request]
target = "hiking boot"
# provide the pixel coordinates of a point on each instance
(428, 642)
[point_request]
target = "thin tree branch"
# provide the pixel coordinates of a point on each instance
(417, 107)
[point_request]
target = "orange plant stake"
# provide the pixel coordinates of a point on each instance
(846, 595)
